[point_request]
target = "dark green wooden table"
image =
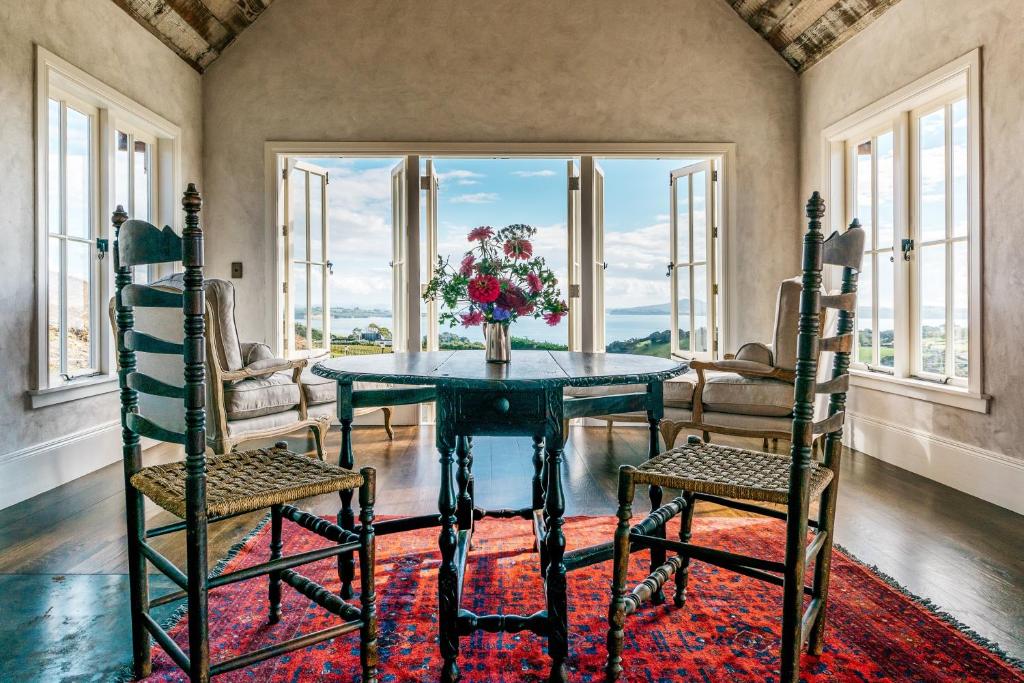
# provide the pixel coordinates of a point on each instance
(523, 398)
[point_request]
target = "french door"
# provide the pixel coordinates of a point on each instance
(574, 268)
(692, 269)
(428, 229)
(306, 290)
(599, 265)
(399, 252)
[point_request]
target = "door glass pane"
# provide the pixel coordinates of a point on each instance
(885, 189)
(683, 301)
(77, 162)
(862, 190)
(959, 160)
(297, 289)
(933, 309)
(53, 309)
(886, 310)
(316, 306)
(140, 169)
(78, 306)
(933, 176)
(53, 168)
(700, 308)
(700, 217)
(960, 299)
(297, 199)
(316, 219)
(121, 171)
(865, 314)
(683, 219)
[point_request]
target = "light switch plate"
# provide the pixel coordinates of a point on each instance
(236, 269)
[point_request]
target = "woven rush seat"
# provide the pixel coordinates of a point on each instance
(243, 481)
(729, 472)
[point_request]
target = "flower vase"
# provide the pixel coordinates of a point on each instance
(497, 342)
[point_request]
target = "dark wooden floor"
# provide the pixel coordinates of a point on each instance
(62, 560)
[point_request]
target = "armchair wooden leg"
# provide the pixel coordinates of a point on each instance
(764, 444)
(276, 545)
(367, 591)
(685, 525)
(387, 423)
(319, 430)
(669, 433)
(565, 431)
(620, 567)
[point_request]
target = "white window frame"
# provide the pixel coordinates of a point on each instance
(895, 111)
(56, 75)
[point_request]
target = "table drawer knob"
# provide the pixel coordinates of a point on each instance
(502, 405)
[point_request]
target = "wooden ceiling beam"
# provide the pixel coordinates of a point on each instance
(841, 22)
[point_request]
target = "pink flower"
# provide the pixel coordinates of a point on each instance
(481, 233)
(484, 289)
(534, 283)
(553, 318)
(513, 299)
(466, 268)
(519, 249)
(472, 318)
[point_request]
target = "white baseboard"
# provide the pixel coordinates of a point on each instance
(44, 466)
(988, 475)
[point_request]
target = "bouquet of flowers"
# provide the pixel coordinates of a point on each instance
(498, 281)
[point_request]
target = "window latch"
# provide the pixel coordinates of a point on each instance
(668, 273)
(102, 247)
(907, 246)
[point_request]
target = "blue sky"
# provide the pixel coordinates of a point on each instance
(498, 192)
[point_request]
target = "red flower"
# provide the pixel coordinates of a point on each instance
(473, 318)
(534, 282)
(466, 268)
(514, 299)
(553, 318)
(481, 233)
(484, 289)
(519, 249)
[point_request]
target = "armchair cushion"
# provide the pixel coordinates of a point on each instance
(258, 396)
(756, 352)
(733, 393)
(220, 305)
(318, 389)
(255, 351)
(787, 320)
(678, 391)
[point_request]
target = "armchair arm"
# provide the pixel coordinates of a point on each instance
(264, 367)
(746, 368)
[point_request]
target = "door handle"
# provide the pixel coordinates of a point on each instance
(330, 267)
(671, 266)
(907, 246)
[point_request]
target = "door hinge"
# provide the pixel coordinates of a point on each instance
(284, 231)
(284, 287)
(327, 178)
(714, 176)
(284, 173)
(425, 182)
(574, 291)
(714, 289)
(714, 232)
(574, 182)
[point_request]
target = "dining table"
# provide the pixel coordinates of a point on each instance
(533, 395)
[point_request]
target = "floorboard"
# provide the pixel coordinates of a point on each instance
(62, 553)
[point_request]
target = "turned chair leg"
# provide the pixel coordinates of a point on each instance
(658, 555)
(276, 545)
(138, 581)
(387, 424)
(685, 525)
(367, 591)
(620, 567)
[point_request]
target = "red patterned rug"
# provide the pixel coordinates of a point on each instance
(728, 631)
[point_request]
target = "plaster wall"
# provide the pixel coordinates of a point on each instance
(912, 39)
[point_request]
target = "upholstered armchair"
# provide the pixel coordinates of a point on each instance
(250, 393)
(321, 394)
(749, 393)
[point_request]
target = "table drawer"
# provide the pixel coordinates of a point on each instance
(499, 406)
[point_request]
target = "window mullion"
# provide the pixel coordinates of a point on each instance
(63, 267)
(876, 338)
(948, 161)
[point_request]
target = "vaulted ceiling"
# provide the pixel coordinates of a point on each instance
(802, 31)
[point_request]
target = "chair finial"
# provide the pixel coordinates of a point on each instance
(118, 217)
(855, 223)
(815, 206)
(190, 200)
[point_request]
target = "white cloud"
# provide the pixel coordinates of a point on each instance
(460, 177)
(546, 173)
(475, 198)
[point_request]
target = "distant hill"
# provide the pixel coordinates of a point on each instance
(357, 312)
(657, 309)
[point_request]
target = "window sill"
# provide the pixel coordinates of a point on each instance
(921, 390)
(73, 391)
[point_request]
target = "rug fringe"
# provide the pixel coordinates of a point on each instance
(127, 674)
(936, 611)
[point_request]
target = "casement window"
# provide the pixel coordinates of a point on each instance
(908, 169)
(95, 149)
(692, 268)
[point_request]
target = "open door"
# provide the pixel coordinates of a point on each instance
(399, 250)
(306, 287)
(575, 262)
(600, 264)
(692, 267)
(428, 185)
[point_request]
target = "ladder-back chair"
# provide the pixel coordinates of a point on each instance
(741, 478)
(163, 396)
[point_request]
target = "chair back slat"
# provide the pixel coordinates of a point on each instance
(150, 297)
(841, 343)
(846, 302)
(145, 427)
(141, 243)
(832, 423)
(844, 249)
(147, 343)
(151, 385)
(835, 385)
